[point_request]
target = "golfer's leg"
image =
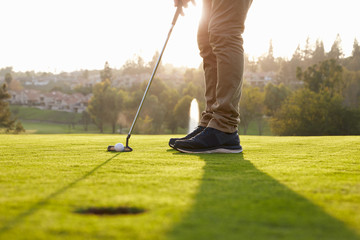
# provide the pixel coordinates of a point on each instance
(225, 27)
(209, 63)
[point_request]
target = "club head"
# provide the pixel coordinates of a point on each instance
(112, 149)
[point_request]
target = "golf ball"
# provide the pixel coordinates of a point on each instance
(119, 147)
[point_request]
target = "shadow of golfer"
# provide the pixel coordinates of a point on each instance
(237, 201)
(34, 208)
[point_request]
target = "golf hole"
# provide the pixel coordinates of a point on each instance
(110, 211)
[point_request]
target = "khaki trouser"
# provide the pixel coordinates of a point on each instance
(221, 47)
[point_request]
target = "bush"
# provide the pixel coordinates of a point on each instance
(308, 113)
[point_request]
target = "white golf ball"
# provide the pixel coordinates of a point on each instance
(119, 147)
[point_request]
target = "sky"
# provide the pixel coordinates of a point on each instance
(69, 35)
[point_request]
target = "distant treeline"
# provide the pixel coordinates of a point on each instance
(313, 93)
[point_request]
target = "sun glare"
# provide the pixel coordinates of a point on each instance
(70, 35)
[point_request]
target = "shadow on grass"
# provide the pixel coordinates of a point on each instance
(37, 206)
(237, 201)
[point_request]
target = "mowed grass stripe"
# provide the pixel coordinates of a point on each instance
(280, 188)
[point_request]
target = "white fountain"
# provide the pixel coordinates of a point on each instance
(194, 115)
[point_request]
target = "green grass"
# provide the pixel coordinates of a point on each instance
(31, 113)
(58, 128)
(253, 128)
(279, 188)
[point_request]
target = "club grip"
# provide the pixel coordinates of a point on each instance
(178, 12)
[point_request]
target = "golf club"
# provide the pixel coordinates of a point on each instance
(127, 148)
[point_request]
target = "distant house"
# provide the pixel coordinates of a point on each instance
(40, 81)
(128, 80)
(25, 97)
(259, 79)
(54, 100)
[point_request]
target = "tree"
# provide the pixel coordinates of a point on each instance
(170, 99)
(274, 97)
(251, 107)
(5, 70)
(134, 66)
(157, 87)
(285, 74)
(15, 85)
(151, 65)
(336, 50)
(308, 113)
(154, 110)
(144, 125)
(5, 114)
(106, 102)
(97, 104)
(158, 117)
(85, 90)
(181, 111)
(318, 109)
(325, 76)
(8, 78)
(190, 90)
(307, 52)
(351, 90)
(85, 119)
(106, 73)
(114, 101)
(194, 83)
(268, 63)
(105, 105)
(291, 67)
(356, 49)
(6, 121)
(318, 54)
(353, 62)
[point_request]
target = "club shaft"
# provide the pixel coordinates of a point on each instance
(152, 75)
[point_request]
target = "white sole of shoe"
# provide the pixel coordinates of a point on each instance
(218, 150)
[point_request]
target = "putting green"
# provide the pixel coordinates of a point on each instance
(69, 187)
